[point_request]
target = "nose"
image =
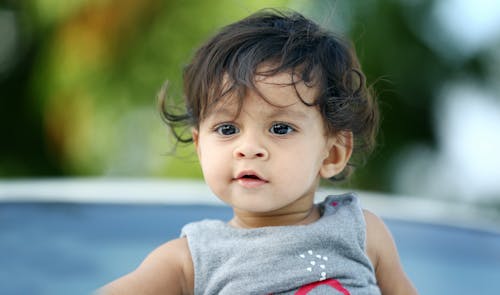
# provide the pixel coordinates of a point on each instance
(248, 147)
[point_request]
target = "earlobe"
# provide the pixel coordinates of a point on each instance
(340, 150)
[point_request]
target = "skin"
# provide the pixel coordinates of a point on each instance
(263, 142)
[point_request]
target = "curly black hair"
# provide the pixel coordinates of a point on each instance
(291, 43)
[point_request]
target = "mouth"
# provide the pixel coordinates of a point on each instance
(249, 175)
(250, 179)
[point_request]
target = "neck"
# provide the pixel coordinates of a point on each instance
(252, 220)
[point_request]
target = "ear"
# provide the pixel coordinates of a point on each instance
(196, 140)
(339, 152)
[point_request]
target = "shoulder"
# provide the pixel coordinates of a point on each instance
(379, 241)
(173, 255)
(166, 270)
(382, 251)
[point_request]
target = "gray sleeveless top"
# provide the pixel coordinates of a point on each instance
(324, 257)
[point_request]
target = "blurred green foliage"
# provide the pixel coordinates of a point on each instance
(78, 91)
(86, 79)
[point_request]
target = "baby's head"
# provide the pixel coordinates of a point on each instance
(271, 42)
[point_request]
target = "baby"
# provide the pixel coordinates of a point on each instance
(275, 103)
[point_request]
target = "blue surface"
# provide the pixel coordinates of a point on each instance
(67, 248)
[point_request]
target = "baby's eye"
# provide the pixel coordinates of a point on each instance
(227, 129)
(281, 129)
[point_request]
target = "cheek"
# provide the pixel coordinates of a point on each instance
(312, 159)
(301, 163)
(211, 161)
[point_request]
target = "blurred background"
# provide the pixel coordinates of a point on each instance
(78, 84)
(91, 181)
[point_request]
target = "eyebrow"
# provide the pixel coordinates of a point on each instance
(285, 111)
(225, 112)
(276, 112)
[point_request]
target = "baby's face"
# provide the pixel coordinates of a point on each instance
(269, 158)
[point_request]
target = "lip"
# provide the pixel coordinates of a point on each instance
(250, 173)
(250, 179)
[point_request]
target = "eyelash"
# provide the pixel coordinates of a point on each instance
(222, 129)
(289, 128)
(219, 129)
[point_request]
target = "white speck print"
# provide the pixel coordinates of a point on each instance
(323, 276)
(317, 264)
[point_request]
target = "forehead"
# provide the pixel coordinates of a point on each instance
(285, 88)
(276, 99)
(280, 90)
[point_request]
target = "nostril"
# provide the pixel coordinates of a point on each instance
(244, 154)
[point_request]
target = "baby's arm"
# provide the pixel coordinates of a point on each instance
(382, 251)
(166, 270)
